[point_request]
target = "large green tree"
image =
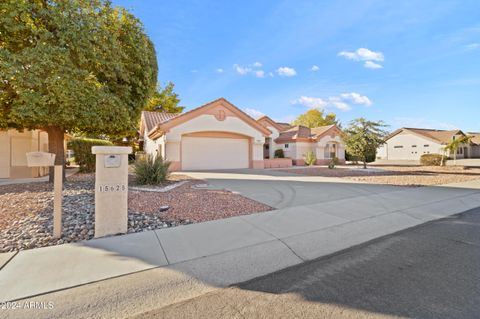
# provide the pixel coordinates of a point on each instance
(77, 65)
(165, 100)
(315, 118)
(363, 137)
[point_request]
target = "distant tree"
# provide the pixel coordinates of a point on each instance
(454, 145)
(76, 66)
(164, 100)
(315, 118)
(363, 137)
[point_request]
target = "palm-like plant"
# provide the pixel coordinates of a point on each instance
(453, 146)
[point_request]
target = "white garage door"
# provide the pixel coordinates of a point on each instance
(214, 153)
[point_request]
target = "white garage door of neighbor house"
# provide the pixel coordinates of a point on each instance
(214, 153)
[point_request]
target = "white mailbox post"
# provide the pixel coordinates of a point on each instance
(111, 189)
(43, 159)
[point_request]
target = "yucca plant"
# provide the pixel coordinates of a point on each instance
(151, 170)
(310, 158)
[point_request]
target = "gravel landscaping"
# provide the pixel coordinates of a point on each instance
(26, 210)
(395, 175)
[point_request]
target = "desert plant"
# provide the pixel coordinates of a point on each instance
(82, 148)
(279, 153)
(432, 159)
(363, 137)
(151, 170)
(334, 162)
(310, 158)
(454, 145)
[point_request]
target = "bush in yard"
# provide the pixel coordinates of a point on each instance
(82, 148)
(279, 153)
(334, 162)
(310, 158)
(432, 159)
(151, 170)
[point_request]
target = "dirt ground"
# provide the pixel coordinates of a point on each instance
(26, 210)
(395, 175)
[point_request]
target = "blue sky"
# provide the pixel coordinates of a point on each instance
(409, 63)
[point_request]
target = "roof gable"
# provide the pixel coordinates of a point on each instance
(220, 104)
(303, 133)
(265, 120)
(439, 136)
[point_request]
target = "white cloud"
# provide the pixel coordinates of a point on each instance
(219, 70)
(337, 102)
(286, 71)
(311, 102)
(472, 46)
(254, 113)
(257, 64)
(260, 74)
(241, 70)
(357, 98)
(362, 54)
(194, 71)
(315, 68)
(372, 65)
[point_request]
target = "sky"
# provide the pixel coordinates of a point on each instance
(408, 63)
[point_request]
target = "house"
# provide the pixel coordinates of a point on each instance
(412, 143)
(13, 148)
(218, 135)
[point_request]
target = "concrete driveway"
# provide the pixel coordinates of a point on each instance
(281, 190)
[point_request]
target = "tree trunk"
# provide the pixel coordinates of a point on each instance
(365, 162)
(56, 146)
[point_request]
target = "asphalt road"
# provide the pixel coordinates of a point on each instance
(430, 271)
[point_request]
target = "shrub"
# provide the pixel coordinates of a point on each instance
(151, 170)
(279, 153)
(334, 162)
(310, 158)
(432, 159)
(82, 148)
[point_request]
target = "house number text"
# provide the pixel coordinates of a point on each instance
(112, 188)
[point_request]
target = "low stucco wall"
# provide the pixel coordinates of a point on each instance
(277, 163)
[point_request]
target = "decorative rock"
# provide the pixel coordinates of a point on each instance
(163, 208)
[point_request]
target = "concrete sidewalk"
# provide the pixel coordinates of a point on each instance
(223, 252)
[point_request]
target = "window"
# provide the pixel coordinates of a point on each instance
(398, 146)
(460, 151)
(426, 145)
(414, 146)
(330, 151)
(286, 145)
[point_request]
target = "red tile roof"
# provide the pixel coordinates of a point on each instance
(302, 132)
(152, 119)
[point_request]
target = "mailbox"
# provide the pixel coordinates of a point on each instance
(111, 189)
(39, 159)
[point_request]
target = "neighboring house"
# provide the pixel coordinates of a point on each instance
(325, 141)
(475, 147)
(218, 135)
(412, 143)
(13, 148)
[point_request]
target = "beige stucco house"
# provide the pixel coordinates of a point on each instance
(218, 135)
(13, 148)
(412, 143)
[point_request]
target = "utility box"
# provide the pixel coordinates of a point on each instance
(111, 190)
(40, 159)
